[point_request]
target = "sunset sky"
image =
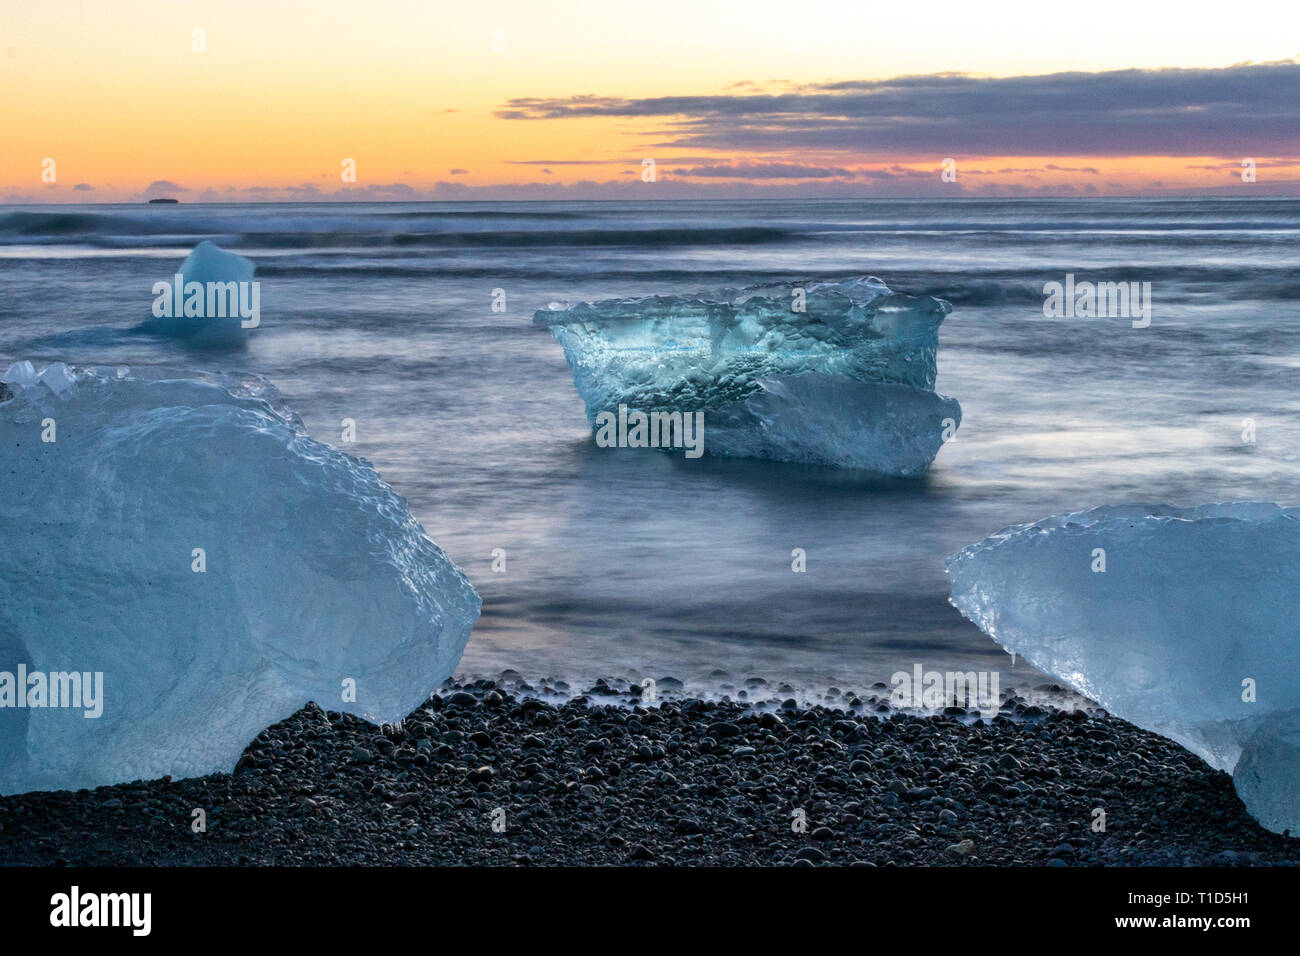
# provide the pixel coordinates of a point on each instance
(526, 99)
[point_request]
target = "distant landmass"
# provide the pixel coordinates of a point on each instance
(163, 201)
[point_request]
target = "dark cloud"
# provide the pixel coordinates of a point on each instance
(1032, 170)
(457, 172)
(765, 171)
(630, 160)
(1073, 169)
(84, 188)
(1172, 112)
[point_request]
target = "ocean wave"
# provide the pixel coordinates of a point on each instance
(55, 223)
(100, 230)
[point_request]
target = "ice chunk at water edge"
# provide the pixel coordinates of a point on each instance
(1180, 620)
(187, 539)
(787, 372)
(224, 283)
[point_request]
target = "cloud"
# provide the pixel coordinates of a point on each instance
(457, 172)
(84, 188)
(1235, 166)
(1242, 109)
(895, 173)
(886, 182)
(1032, 171)
(164, 184)
(378, 192)
(765, 171)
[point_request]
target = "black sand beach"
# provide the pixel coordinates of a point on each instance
(485, 775)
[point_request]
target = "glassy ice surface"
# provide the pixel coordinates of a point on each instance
(822, 419)
(1190, 630)
(187, 539)
(741, 357)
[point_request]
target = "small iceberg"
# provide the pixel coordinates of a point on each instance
(212, 301)
(1179, 620)
(831, 373)
(183, 566)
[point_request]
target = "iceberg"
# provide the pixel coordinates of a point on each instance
(211, 302)
(1179, 620)
(836, 373)
(182, 538)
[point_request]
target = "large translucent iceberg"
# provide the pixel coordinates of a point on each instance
(185, 538)
(838, 373)
(1180, 620)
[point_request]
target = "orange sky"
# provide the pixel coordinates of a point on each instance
(273, 96)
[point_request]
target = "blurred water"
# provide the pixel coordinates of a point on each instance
(631, 562)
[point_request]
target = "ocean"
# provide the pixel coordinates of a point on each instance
(637, 563)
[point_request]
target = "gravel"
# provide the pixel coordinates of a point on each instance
(484, 775)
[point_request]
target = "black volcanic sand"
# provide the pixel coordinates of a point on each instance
(602, 780)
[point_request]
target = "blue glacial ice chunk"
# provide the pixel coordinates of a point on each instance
(1267, 777)
(312, 573)
(20, 374)
(824, 419)
(787, 372)
(58, 378)
(227, 284)
(1190, 631)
